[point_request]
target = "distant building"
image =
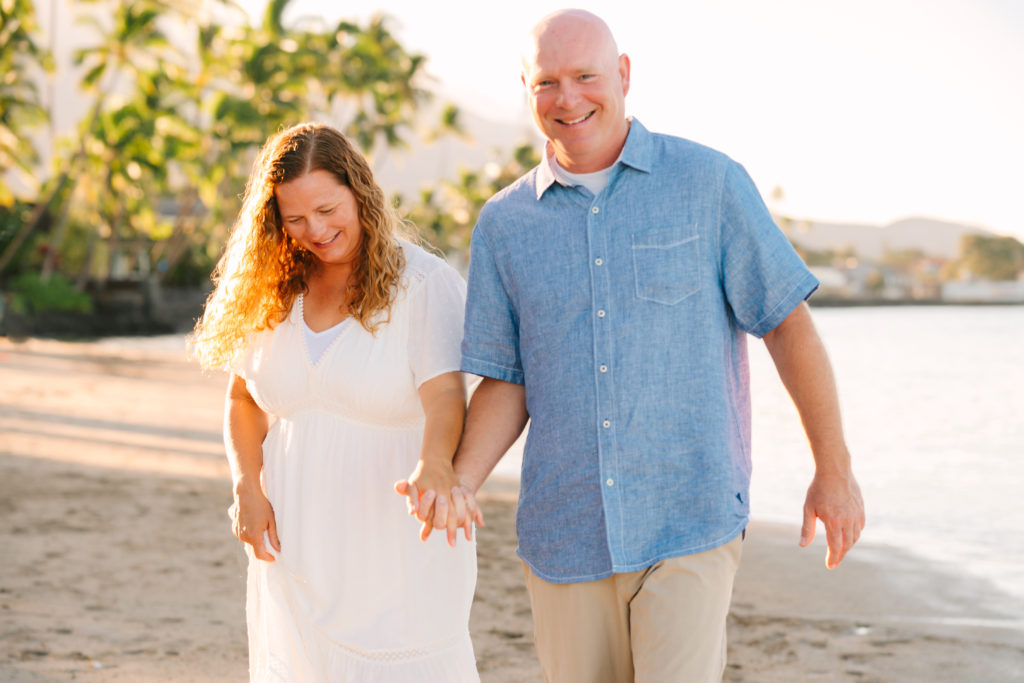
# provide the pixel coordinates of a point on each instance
(833, 282)
(1005, 292)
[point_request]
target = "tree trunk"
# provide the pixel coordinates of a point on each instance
(56, 240)
(37, 213)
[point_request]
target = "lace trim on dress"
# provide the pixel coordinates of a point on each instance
(433, 650)
(315, 352)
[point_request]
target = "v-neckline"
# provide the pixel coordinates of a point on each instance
(302, 327)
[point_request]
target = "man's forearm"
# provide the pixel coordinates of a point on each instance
(497, 416)
(803, 365)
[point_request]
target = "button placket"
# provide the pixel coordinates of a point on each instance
(602, 296)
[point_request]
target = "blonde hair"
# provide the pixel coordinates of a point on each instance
(263, 269)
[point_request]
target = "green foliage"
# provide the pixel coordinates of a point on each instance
(156, 170)
(28, 251)
(991, 258)
(841, 258)
(20, 107)
(33, 295)
(903, 259)
(446, 214)
(11, 218)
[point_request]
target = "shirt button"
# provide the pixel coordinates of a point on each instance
(610, 482)
(603, 368)
(595, 210)
(598, 262)
(606, 424)
(601, 313)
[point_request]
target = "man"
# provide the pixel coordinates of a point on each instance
(611, 290)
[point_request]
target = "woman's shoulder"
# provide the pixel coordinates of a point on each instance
(421, 264)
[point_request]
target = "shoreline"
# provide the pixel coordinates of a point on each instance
(114, 487)
(908, 589)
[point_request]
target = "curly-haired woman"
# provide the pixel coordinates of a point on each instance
(342, 339)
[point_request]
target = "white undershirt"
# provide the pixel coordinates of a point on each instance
(595, 182)
(318, 342)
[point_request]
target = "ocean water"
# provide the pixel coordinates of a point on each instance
(933, 410)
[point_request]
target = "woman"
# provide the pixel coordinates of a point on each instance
(343, 344)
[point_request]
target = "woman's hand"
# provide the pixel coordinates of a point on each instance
(436, 497)
(434, 494)
(252, 520)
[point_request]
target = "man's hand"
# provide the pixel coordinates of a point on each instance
(460, 509)
(835, 500)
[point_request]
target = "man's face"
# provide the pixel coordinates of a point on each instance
(577, 86)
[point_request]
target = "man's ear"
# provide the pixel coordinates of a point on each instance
(624, 72)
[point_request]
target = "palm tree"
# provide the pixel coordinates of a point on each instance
(447, 213)
(185, 130)
(128, 48)
(251, 81)
(369, 67)
(20, 106)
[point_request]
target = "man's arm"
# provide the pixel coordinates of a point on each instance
(444, 407)
(497, 416)
(833, 496)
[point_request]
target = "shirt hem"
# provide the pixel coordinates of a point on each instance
(625, 569)
(435, 374)
(485, 369)
(799, 293)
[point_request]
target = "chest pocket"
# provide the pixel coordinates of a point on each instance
(666, 264)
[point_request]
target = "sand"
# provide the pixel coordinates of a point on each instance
(118, 563)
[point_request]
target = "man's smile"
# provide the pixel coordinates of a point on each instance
(573, 122)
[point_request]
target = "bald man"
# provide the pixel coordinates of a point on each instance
(611, 293)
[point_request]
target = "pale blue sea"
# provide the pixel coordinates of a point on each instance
(933, 409)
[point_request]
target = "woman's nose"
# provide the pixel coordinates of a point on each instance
(317, 226)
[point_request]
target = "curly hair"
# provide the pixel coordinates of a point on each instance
(263, 269)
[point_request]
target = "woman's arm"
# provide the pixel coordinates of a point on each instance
(245, 428)
(433, 482)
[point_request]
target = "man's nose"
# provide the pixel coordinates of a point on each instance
(568, 95)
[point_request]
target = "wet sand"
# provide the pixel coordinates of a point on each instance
(119, 564)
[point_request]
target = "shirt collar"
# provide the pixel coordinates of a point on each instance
(636, 154)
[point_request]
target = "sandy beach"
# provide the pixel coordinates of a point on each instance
(119, 563)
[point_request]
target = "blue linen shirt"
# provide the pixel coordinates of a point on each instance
(625, 316)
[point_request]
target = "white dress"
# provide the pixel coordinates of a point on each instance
(354, 595)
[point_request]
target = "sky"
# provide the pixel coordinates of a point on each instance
(860, 112)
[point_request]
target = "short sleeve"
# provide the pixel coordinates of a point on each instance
(436, 313)
(763, 277)
(491, 344)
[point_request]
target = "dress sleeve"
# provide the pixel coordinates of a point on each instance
(436, 311)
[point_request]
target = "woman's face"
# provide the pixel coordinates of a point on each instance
(322, 215)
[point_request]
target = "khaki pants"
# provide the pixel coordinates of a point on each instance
(664, 623)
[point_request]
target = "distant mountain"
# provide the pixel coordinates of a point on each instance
(425, 163)
(931, 236)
